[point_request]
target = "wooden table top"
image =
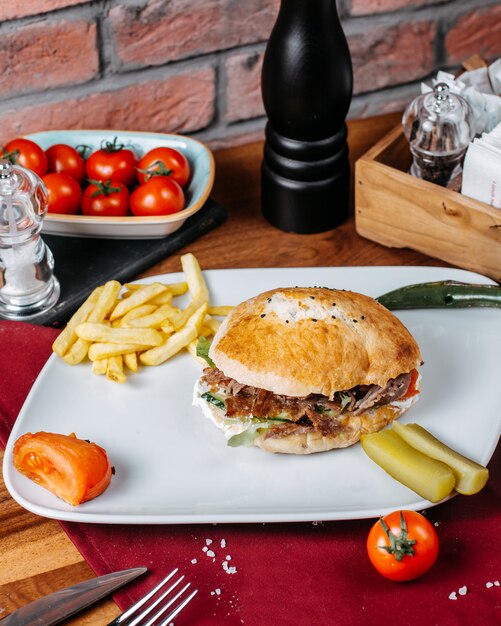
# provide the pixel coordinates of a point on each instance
(36, 556)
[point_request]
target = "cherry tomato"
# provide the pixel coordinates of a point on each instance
(72, 469)
(112, 162)
(164, 162)
(28, 154)
(402, 545)
(65, 193)
(107, 198)
(159, 196)
(65, 160)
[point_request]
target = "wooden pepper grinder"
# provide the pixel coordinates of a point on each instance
(307, 85)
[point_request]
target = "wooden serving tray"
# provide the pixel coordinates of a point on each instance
(401, 211)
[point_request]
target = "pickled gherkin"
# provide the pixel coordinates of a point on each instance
(470, 476)
(429, 478)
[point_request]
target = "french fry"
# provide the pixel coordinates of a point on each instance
(177, 340)
(138, 311)
(163, 298)
(115, 371)
(205, 331)
(106, 350)
(102, 333)
(68, 336)
(220, 311)
(176, 289)
(106, 301)
(100, 366)
(167, 328)
(176, 317)
(140, 296)
(130, 360)
(194, 278)
(212, 323)
(154, 320)
(77, 353)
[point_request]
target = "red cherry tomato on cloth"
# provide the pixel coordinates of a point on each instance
(109, 198)
(28, 154)
(112, 162)
(402, 545)
(159, 196)
(164, 162)
(64, 159)
(65, 193)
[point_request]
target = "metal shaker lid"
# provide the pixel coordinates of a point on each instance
(23, 199)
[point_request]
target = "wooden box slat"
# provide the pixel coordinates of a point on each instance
(401, 211)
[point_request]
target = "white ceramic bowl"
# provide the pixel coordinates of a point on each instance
(131, 227)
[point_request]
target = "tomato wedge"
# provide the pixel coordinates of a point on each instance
(412, 390)
(73, 469)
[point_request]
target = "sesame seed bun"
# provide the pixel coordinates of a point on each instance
(301, 341)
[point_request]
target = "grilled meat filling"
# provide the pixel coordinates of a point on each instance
(301, 414)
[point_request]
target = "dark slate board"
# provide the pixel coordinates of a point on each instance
(81, 264)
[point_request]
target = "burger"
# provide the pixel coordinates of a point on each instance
(303, 370)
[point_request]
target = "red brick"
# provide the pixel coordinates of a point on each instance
(384, 56)
(381, 57)
(243, 91)
(167, 30)
(21, 8)
(368, 7)
(49, 54)
(239, 138)
(383, 103)
(180, 103)
(478, 32)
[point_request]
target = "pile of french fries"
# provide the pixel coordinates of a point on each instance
(121, 327)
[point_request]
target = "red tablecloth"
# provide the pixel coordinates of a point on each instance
(301, 574)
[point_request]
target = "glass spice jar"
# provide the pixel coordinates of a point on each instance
(439, 126)
(28, 286)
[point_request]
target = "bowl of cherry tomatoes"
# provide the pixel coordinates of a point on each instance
(116, 184)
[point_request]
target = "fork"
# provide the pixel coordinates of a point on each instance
(134, 615)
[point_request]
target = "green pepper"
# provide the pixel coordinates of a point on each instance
(442, 294)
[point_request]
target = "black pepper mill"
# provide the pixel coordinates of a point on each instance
(307, 85)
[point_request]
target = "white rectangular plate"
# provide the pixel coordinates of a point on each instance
(173, 466)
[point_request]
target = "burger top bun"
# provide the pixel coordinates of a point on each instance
(299, 341)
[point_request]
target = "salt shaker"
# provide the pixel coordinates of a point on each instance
(439, 126)
(27, 282)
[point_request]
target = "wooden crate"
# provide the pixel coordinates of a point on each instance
(401, 211)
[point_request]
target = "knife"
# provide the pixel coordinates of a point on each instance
(55, 607)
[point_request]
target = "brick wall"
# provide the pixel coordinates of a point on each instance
(193, 66)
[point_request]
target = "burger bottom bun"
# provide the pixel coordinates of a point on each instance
(312, 441)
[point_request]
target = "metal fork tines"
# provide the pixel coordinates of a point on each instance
(134, 615)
